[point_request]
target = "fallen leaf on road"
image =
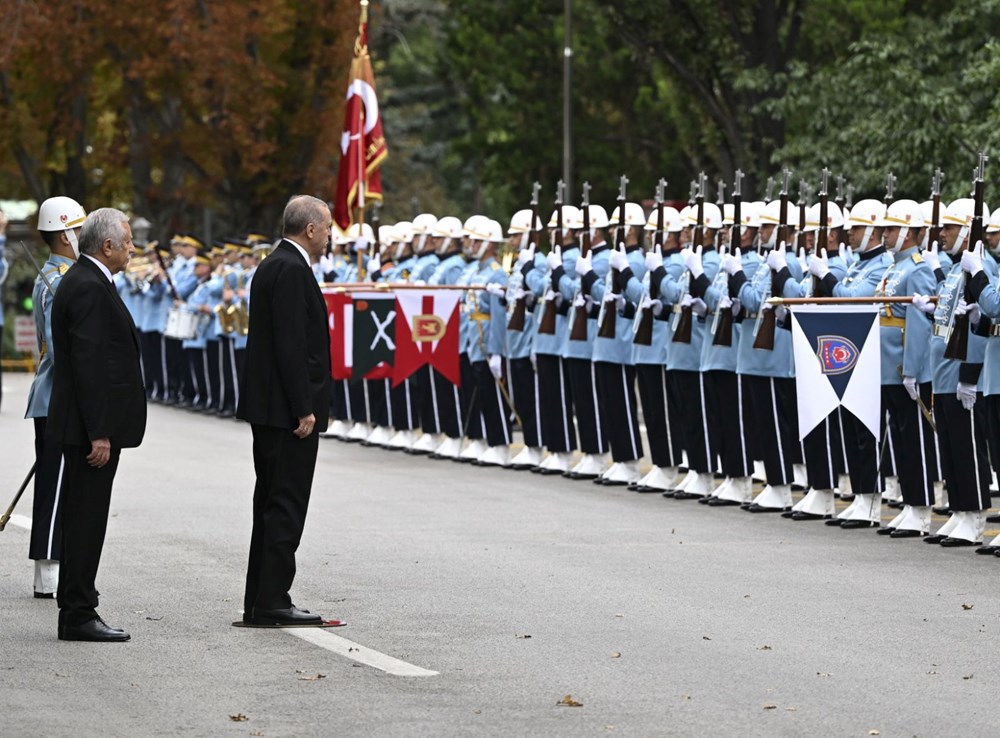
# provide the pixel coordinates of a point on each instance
(568, 701)
(154, 619)
(874, 732)
(967, 607)
(968, 677)
(764, 648)
(685, 696)
(619, 614)
(705, 638)
(616, 655)
(523, 636)
(791, 709)
(822, 673)
(239, 718)
(352, 648)
(256, 733)
(313, 678)
(770, 707)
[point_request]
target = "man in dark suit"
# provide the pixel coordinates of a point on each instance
(285, 395)
(97, 408)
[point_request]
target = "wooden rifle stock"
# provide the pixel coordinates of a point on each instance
(724, 320)
(685, 321)
(578, 330)
(518, 312)
(610, 318)
(643, 333)
(957, 347)
(547, 323)
(764, 340)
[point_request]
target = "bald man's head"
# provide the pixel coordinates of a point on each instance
(307, 221)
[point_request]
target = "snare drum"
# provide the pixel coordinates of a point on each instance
(181, 324)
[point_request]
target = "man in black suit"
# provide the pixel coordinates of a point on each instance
(285, 395)
(97, 408)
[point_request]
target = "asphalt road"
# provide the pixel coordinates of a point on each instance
(661, 617)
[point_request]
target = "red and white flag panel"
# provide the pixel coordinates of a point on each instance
(427, 327)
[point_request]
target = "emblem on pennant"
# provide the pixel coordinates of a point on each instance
(428, 328)
(837, 355)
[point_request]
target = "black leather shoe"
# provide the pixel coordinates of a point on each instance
(705, 500)
(987, 550)
(905, 533)
(788, 513)
(941, 510)
(852, 524)
(577, 475)
(45, 595)
(668, 492)
(93, 630)
(934, 539)
(682, 495)
(286, 616)
(645, 489)
(799, 515)
(834, 522)
(885, 531)
(950, 542)
(996, 553)
(895, 505)
(755, 508)
(719, 502)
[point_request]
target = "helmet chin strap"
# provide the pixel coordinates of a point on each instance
(524, 241)
(73, 242)
(900, 240)
(962, 235)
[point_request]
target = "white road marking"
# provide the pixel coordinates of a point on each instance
(359, 653)
(20, 521)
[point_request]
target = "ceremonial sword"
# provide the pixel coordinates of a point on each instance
(17, 497)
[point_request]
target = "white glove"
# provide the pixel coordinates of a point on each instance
(656, 306)
(617, 259)
(932, 258)
(654, 260)
(495, 288)
(619, 300)
(766, 305)
(780, 313)
(910, 383)
(818, 266)
(972, 261)
(420, 282)
(692, 259)
(924, 303)
(737, 307)
(361, 245)
(971, 309)
(698, 307)
(554, 258)
(374, 264)
(776, 259)
(732, 263)
(686, 300)
(526, 255)
(967, 394)
(496, 365)
(326, 263)
(842, 252)
(725, 303)
(583, 266)
(517, 294)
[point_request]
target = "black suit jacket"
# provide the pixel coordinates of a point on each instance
(288, 346)
(97, 389)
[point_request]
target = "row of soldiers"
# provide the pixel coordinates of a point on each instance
(551, 342)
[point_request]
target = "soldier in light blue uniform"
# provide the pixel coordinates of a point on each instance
(59, 222)
(199, 304)
(985, 293)
(487, 340)
(185, 248)
(660, 404)
(260, 246)
(862, 280)
(768, 374)
(157, 303)
(960, 415)
(425, 247)
(521, 376)
(554, 385)
(905, 334)
(613, 363)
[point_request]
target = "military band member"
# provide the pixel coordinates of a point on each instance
(199, 304)
(59, 222)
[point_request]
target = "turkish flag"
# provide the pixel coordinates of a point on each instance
(338, 307)
(427, 328)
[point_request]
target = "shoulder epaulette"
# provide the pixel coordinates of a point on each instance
(918, 258)
(494, 266)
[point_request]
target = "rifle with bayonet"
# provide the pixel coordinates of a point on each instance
(722, 324)
(609, 315)
(764, 338)
(578, 327)
(840, 199)
(376, 246)
(800, 239)
(934, 235)
(823, 234)
(958, 334)
(547, 323)
(519, 308)
(643, 333)
(684, 320)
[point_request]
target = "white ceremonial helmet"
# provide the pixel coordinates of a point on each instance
(994, 225)
(634, 215)
(62, 213)
(360, 230)
(472, 226)
(927, 210)
(448, 227)
(570, 214)
(405, 230)
(867, 214)
(520, 222)
(387, 237)
(750, 213)
(713, 216)
(729, 214)
(812, 219)
(686, 216)
(491, 232)
(903, 213)
(598, 217)
(671, 220)
(960, 213)
(423, 224)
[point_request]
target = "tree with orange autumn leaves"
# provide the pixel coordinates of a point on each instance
(173, 108)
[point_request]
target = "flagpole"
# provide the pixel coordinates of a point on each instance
(361, 49)
(873, 300)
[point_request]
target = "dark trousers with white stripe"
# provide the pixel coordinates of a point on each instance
(45, 519)
(558, 433)
(729, 421)
(338, 400)
(690, 389)
(660, 413)
(229, 394)
(964, 457)
(863, 456)
(775, 419)
(496, 414)
(523, 384)
(405, 404)
(379, 407)
(178, 372)
(214, 354)
(588, 405)
(198, 390)
(823, 450)
(152, 364)
(915, 466)
(447, 405)
(992, 406)
(470, 402)
(357, 401)
(619, 409)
